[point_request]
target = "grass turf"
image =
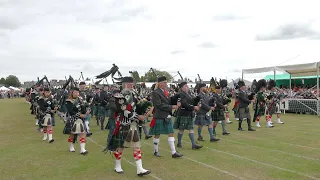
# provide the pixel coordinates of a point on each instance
(289, 151)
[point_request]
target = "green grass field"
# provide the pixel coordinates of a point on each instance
(289, 151)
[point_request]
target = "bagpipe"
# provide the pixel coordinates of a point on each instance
(113, 71)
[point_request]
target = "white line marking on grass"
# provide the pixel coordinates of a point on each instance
(203, 164)
(93, 141)
(297, 145)
(274, 150)
(262, 163)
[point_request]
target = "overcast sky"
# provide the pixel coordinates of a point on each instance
(207, 37)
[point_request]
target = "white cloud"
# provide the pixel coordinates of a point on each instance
(206, 37)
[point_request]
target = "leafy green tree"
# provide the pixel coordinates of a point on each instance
(151, 77)
(135, 76)
(2, 81)
(12, 80)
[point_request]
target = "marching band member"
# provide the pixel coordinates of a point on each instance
(75, 125)
(184, 120)
(203, 116)
(47, 108)
(218, 113)
(125, 134)
(260, 103)
(86, 97)
(273, 106)
(161, 122)
(243, 111)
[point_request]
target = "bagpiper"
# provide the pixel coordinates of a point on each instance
(273, 105)
(203, 115)
(125, 133)
(86, 98)
(161, 122)
(184, 120)
(75, 123)
(243, 111)
(47, 108)
(218, 113)
(260, 102)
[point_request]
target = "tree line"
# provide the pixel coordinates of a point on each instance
(10, 80)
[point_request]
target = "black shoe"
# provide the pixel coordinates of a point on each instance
(156, 154)
(51, 141)
(196, 146)
(176, 155)
(84, 153)
(240, 129)
(214, 139)
(89, 134)
(179, 145)
(148, 137)
(145, 173)
(120, 172)
(200, 138)
(225, 133)
(250, 129)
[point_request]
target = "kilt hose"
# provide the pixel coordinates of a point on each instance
(161, 127)
(183, 123)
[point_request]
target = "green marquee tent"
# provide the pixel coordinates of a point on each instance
(284, 79)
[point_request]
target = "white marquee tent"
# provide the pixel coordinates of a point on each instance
(14, 88)
(4, 89)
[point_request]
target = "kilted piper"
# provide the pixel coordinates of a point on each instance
(260, 102)
(218, 113)
(203, 116)
(126, 134)
(161, 122)
(47, 108)
(273, 105)
(184, 120)
(75, 122)
(243, 111)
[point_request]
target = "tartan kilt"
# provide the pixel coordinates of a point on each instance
(119, 140)
(161, 127)
(67, 127)
(243, 113)
(218, 115)
(201, 120)
(260, 111)
(183, 123)
(101, 111)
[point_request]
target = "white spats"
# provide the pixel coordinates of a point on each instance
(269, 124)
(279, 121)
(37, 122)
(82, 145)
(258, 124)
(140, 170)
(171, 143)
(71, 147)
(117, 167)
(45, 135)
